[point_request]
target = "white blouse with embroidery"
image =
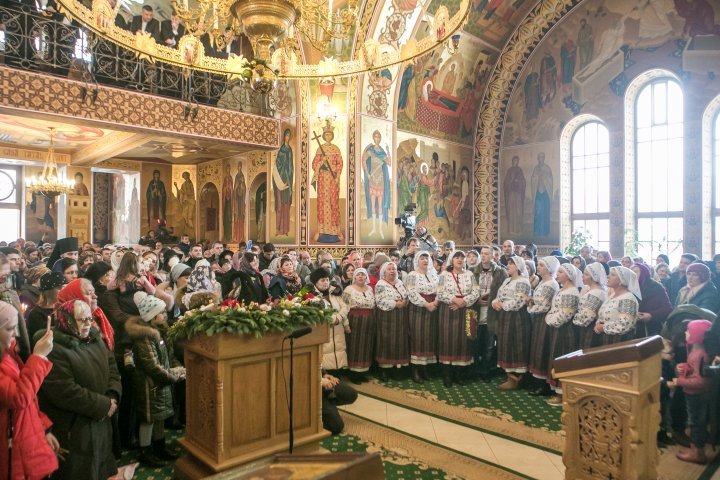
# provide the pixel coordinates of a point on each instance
(386, 294)
(356, 299)
(418, 285)
(619, 314)
(590, 303)
(564, 307)
(464, 284)
(543, 296)
(514, 293)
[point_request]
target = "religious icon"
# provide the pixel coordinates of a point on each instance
(514, 192)
(227, 211)
(327, 167)
(282, 181)
(186, 200)
(156, 197)
(79, 188)
(542, 189)
(376, 177)
(238, 202)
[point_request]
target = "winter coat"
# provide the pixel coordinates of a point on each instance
(692, 381)
(109, 301)
(706, 298)
(32, 457)
(76, 396)
(656, 302)
(252, 288)
(335, 350)
(152, 378)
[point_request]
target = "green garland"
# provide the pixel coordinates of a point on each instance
(283, 315)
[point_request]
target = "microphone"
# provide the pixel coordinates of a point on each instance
(300, 332)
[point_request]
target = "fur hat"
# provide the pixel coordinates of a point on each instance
(148, 305)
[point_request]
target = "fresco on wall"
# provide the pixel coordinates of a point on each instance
(233, 201)
(125, 220)
(588, 60)
(327, 176)
(283, 194)
(375, 174)
(258, 208)
(157, 200)
(435, 175)
(209, 199)
(184, 180)
(529, 203)
(41, 214)
(440, 92)
(79, 204)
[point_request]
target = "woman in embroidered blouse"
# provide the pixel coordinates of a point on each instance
(457, 290)
(559, 320)
(360, 339)
(513, 334)
(592, 296)
(618, 315)
(422, 284)
(392, 344)
(538, 306)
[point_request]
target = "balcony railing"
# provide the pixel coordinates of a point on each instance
(47, 42)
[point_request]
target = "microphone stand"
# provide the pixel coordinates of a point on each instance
(290, 408)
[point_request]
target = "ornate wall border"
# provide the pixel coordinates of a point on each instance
(493, 111)
(39, 93)
(304, 92)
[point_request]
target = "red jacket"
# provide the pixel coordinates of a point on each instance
(692, 381)
(32, 457)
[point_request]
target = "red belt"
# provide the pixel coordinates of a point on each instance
(363, 312)
(428, 297)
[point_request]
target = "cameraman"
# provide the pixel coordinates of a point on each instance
(408, 259)
(426, 241)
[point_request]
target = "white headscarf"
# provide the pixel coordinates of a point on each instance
(520, 265)
(477, 255)
(552, 264)
(573, 273)
(382, 271)
(448, 262)
(359, 270)
(629, 280)
(597, 272)
(431, 273)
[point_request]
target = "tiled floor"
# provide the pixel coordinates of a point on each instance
(518, 457)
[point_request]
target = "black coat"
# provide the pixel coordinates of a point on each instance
(166, 32)
(153, 27)
(706, 298)
(76, 396)
(251, 288)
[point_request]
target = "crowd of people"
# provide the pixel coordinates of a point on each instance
(86, 369)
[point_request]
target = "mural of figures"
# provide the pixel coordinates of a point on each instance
(185, 195)
(80, 188)
(239, 204)
(79, 205)
(156, 198)
(209, 213)
(436, 176)
(258, 208)
(375, 222)
(283, 178)
(328, 181)
(40, 212)
(530, 201)
(227, 201)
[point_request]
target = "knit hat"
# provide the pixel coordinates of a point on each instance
(696, 330)
(148, 305)
(701, 270)
(178, 270)
(556, 253)
(51, 280)
(96, 271)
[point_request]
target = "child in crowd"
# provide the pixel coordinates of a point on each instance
(156, 370)
(697, 389)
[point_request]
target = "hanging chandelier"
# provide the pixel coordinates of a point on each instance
(273, 27)
(50, 182)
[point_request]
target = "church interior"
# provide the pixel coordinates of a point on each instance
(346, 127)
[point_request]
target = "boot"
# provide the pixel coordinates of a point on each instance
(542, 390)
(383, 375)
(693, 455)
(148, 459)
(510, 384)
(424, 372)
(162, 452)
(460, 376)
(681, 438)
(447, 379)
(415, 370)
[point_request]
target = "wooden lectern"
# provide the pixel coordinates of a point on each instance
(611, 410)
(237, 399)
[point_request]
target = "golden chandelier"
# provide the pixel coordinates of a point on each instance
(272, 27)
(50, 182)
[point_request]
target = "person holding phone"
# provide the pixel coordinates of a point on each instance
(34, 451)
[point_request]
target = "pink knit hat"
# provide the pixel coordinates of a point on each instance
(697, 329)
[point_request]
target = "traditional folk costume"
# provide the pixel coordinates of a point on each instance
(361, 317)
(393, 340)
(423, 324)
(513, 335)
(454, 346)
(540, 337)
(618, 314)
(559, 320)
(590, 302)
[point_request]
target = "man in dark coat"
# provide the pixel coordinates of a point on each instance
(146, 23)
(490, 277)
(171, 31)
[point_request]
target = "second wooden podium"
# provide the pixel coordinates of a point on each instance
(237, 399)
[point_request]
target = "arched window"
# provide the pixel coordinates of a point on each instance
(590, 183)
(659, 164)
(10, 202)
(715, 209)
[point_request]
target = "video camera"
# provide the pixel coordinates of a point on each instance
(407, 221)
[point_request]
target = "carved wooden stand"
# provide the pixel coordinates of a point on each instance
(237, 399)
(611, 410)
